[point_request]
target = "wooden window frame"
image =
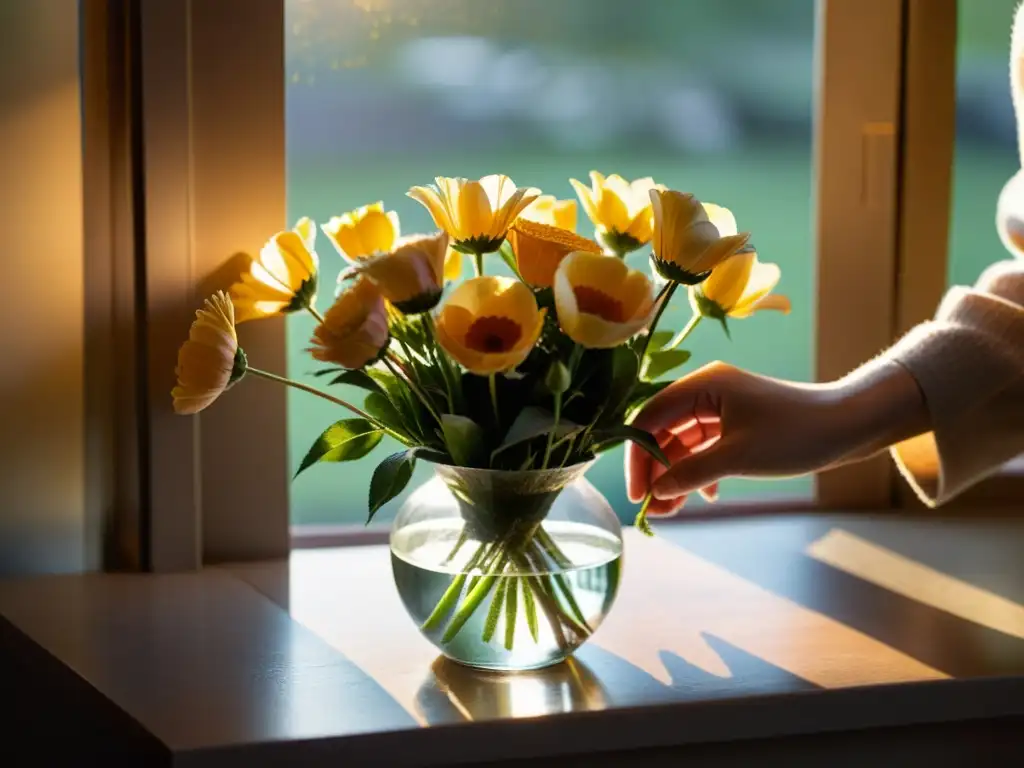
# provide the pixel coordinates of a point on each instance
(202, 129)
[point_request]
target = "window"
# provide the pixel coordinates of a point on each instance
(986, 136)
(385, 95)
(767, 106)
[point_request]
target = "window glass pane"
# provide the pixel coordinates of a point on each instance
(712, 98)
(986, 138)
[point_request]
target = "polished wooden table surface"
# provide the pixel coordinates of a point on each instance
(725, 630)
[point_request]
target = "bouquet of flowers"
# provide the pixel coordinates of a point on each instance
(540, 367)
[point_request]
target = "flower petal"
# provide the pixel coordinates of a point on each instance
(772, 301)
(722, 218)
(586, 199)
(429, 199)
(728, 281)
(475, 216)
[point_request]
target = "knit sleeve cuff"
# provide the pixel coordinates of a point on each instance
(969, 368)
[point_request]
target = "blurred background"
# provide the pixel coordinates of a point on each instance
(712, 98)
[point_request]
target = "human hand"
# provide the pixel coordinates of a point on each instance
(721, 421)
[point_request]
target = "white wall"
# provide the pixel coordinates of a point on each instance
(42, 455)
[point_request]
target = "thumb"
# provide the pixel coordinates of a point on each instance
(696, 471)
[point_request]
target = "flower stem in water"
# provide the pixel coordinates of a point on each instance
(451, 595)
(511, 608)
(495, 612)
(473, 599)
(531, 612)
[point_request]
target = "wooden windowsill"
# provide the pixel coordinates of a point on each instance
(724, 632)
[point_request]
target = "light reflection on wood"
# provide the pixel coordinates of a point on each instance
(899, 574)
(670, 599)
(349, 599)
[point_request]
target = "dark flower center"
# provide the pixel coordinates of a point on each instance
(597, 302)
(493, 334)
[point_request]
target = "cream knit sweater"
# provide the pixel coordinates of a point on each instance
(969, 364)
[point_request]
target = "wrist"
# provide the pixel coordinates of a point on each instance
(878, 405)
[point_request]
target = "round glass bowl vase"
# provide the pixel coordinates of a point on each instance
(507, 570)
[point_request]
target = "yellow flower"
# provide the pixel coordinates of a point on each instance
(306, 229)
(476, 214)
(619, 209)
(600, 301)
(412, 275)
(540, 248)
(490, 324)
(282, 278)
(452, 265)
(691, 238)
(211, 360)
(355, 329)
(739, 287)
(363, 232)
(556, 213)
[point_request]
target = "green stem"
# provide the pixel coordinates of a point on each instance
(511, 609)
(451, 595)
(319, 393)
(663, 299)
(551, 432)
(315, 313)
(568, 450)
(531, 612)
(440, 357)
(478, 262)
(472, 601)
(463, 538)
(641, 517)
(548, 546)
(390, 362)
(681, 336)
(492, 385)
(574, 359)
(497, 603)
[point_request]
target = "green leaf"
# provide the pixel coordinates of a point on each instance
(643, 392)
(659, 339)
(624, 374)
(326, 371)
(534, 422)
(383, 409)
(346, 440)
(464, 438)
(360, 379)
(509, 257)
(612, 436)
(385, 380)
(390, 478)
(657, 364)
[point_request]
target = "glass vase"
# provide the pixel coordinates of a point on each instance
(507, 570)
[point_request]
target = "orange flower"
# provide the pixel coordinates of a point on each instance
(355, 329)
(540, 248)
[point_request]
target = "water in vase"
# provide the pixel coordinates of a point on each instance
(522, 607)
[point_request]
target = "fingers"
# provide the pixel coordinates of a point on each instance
(665, 507)
(701, 469)
(690, 398)
(690, 436)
